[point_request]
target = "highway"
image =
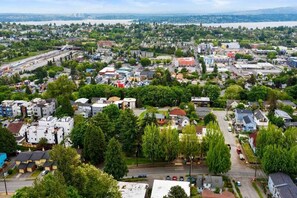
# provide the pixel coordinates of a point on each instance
(34, 62)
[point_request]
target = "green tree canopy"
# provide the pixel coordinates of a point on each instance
(189, 143)
(8, 144)
(233, 92)
(77, 134)
(151, 142)
(102, 120)
(94, 144)
(62, 86)
(169, 143)
(115, 164)
(176, 192)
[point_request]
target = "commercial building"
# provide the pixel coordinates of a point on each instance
(161, 188)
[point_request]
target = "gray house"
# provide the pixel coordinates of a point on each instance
(281, 186)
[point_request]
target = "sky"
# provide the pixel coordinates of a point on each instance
(138, 6)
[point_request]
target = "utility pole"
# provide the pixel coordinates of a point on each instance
(4, 176)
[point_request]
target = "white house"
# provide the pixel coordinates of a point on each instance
(129, 103)
(53, 129)
(161, 188)
(98, 107)
(261, 119)
(281, 186)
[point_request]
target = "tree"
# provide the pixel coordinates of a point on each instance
(179, 53)
(132, 61)
(115, 164)
(215, 69)
(212, 91)
(93, 182)
(270, 136)
(218, 157)
(151, 142)
(42, 143)
(292, 159)
(112, 111)
(126, 130)
(189, 144)
(51, 185)
(252, 79)
(145, 62)
(169, 144)
(209, 118)
(65, 107)
(275, 159)
(290, 137)
(77, 134)
(28, 90)
(67, 160)
(94, 144)
(101, 120)
(176, 192)
(233, 92)
(62, 86)
(8, 144)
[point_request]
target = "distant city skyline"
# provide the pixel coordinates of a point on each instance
(138, 6)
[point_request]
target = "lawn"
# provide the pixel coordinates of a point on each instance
(252, 159)
(35, 173)
(14, 172)
(133, 161)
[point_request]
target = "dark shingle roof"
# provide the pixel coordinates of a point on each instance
(15, 127)
(259, 114)
(22, 166)
(31, 165)
(243, 111)
(284, 184)
(247, 119)
(37, 155)
(25, 156)
(48, 164)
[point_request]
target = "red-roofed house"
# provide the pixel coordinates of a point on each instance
(177, 112)
(105, 44)
(185, 62)
(253, 140)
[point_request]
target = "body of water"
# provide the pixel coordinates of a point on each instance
(250, 25)
(57, 22)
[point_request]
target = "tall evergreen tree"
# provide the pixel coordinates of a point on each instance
(94, 144)
(7, 141)
(114, 160)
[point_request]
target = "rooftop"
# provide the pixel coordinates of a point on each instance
(132, 190)
(284, 184)
(161, 188)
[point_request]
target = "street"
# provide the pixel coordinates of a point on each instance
(239, 171)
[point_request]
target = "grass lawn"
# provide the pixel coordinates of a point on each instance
(14, 172)
(35, 173)
(257, 189)
(132, 161)
(252, 159)
(133, 179)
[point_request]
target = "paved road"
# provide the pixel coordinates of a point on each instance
(13, 185)
(239, 170)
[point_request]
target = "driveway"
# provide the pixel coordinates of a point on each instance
(239, 170)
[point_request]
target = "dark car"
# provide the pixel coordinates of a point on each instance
(181, 178)
(142, 176)
(192, 180)
(168, 177)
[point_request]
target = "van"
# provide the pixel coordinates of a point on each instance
(241, 157)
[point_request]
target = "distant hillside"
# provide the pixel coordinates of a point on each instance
(282, 10)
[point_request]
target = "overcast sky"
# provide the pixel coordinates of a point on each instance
(138, 6)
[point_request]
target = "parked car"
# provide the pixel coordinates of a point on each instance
(44, 172)
(229, 146)
(241, 157)
(142, 176)
(168, 177)
(229, 129)
(192, 180)
(238, 150)
(238, 183)
(174, 178)
(181, 178)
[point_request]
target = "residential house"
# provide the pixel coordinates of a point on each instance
(17, 128)
(232, 104)
(177, 112)
(129, 103)
(253, 141)
(209, 194)
(284, 115)
(149, 75)
(183, 121)
(281, 186)
(43, 108)
(260, 119)
(201, 132)
(287, 103)
(213, 182)
(202, 111)
(244, 120)
(29, 161)
(161, 118)
(201, 101)
(290, 124)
